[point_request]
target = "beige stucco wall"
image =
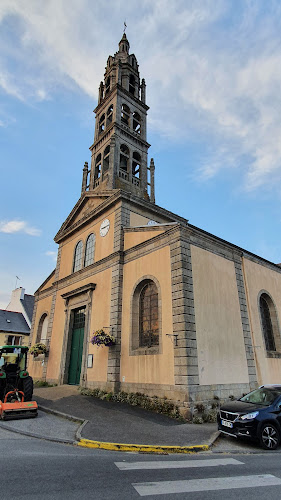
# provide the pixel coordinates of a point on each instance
(35, 366)
(220, 344)
(135, 237)
(103, 247)
(148, 369)
(138, 220)
(100, 317)
(258, 279)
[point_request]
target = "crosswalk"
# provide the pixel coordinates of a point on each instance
(231, 482)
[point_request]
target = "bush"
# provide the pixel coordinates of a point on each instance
(163, 406)
(43, 383)
(200, 407)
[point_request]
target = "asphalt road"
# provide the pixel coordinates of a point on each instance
(34, 468)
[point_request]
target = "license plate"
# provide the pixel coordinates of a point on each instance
(227, 424)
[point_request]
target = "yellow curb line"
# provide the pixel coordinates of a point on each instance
(88, 443)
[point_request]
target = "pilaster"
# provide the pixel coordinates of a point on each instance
(245, 322)
(184, 327)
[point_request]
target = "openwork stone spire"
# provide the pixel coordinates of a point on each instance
(119, 151)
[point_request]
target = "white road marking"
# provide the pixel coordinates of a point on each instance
(177, 464)
(209, 484)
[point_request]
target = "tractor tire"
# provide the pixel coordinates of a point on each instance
(27, 388)
(2, 391)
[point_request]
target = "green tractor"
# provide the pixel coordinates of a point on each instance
(16, 385)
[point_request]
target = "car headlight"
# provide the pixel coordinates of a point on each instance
(249, 416)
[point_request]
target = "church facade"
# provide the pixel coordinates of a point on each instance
(192, 315)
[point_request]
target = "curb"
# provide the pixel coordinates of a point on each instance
(142, 448)
(67, 417)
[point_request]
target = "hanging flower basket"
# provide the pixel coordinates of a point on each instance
(100, 338)
(38, 348)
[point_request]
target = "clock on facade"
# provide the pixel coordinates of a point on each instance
(152, 223)
(104, 227)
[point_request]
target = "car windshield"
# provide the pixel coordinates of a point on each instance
(264, 396)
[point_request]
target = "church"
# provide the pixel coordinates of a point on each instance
(190, 315)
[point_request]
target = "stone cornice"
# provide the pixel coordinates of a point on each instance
(79, 291)
(110, 199)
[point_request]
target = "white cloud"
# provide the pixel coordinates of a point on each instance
(213, 70)
(52, 254)
(18, 226)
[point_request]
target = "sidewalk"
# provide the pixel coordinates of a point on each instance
(110, 425)
(121, 423)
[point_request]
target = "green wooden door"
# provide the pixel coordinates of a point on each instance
(76, 347)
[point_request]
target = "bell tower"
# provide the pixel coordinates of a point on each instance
(119, 151)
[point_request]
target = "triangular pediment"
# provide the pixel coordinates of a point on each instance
(86, 206)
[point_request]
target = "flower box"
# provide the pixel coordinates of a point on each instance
(37, 349)
(100, 338)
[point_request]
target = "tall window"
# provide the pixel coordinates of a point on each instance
(98, 167)
(269, 321)
(124, 157)
(42, 328)
(136, 122)
(146, 318)
(132, 84)
(107, 86)
(77, 263)
(90, 250)
(102, 123)
(148, 315)
(109, 115)
(106, 159)
(125, 114)
(136, 164)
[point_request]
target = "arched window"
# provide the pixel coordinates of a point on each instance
(124, 157)
(269, 323)
(109, 115)
(146, 318)
(98, 167)
(107, 85)
(125, 114)
(149, 331)
(106, 159)
(102, 123)
(136, 122)
(90, 250)
(136, 164)
(42, 329)
(77, 261)
(132, 84)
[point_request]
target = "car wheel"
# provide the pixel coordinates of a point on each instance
(269, 437)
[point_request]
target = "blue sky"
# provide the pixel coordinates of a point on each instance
(213, 75)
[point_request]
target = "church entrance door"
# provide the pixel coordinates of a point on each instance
(76, 347)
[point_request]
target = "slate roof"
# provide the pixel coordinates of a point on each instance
(13, 322)
(28, 304)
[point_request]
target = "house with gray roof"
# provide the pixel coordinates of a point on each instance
(15, 320)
